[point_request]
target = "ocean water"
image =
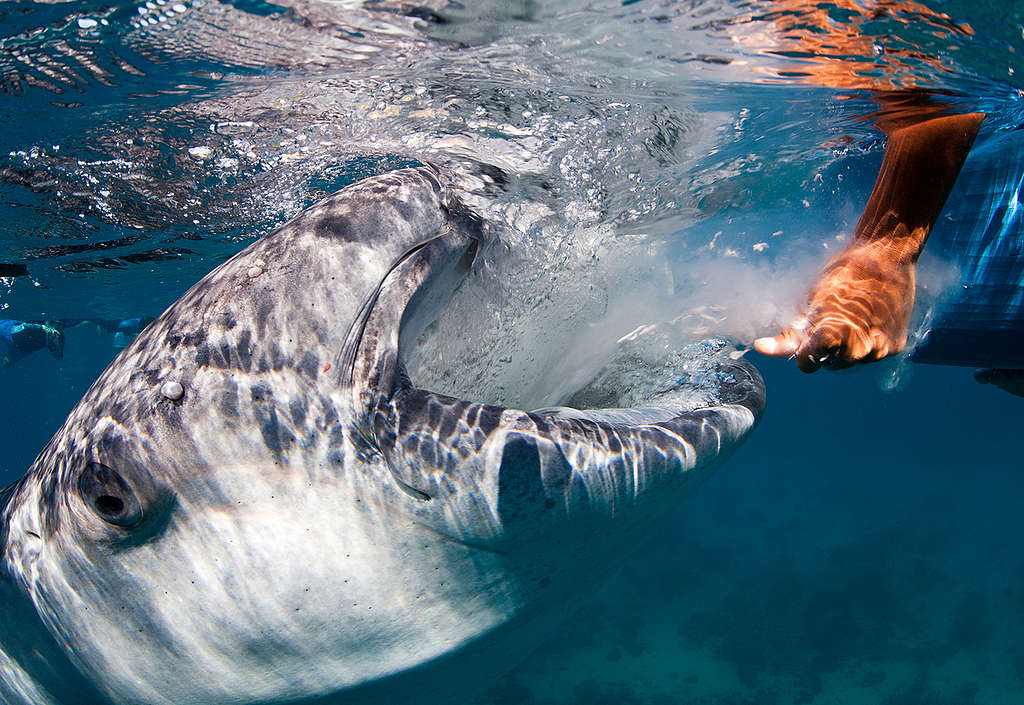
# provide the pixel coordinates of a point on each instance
(665, 170)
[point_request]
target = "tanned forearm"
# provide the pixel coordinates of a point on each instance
(918, 171)
(859, 309)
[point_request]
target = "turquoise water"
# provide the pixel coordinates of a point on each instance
(862, 547)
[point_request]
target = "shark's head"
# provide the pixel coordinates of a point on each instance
(254, 503)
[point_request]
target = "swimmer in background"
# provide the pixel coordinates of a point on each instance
(124, 330)
(18, 339)
(859, 308)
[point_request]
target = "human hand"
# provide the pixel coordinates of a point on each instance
(857, 311)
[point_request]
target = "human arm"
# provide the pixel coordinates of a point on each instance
(859, 308)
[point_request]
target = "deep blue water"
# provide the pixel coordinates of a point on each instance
(862, 547)
(859, 549)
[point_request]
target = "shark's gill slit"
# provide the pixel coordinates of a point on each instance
(409, 489)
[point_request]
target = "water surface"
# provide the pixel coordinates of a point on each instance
(661, 171)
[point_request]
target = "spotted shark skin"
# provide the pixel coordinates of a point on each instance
(254, 503)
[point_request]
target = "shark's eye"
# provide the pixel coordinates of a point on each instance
(109, 496)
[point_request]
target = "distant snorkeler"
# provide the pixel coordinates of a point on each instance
(124, 329)
(18, 339)
(859, 309)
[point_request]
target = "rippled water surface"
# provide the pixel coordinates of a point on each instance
(661, 171)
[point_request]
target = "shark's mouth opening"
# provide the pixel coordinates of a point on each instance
(477, 470)
(598, 370)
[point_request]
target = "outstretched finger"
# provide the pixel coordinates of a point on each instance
(785, 344)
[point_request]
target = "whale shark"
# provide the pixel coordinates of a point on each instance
(255, 503)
